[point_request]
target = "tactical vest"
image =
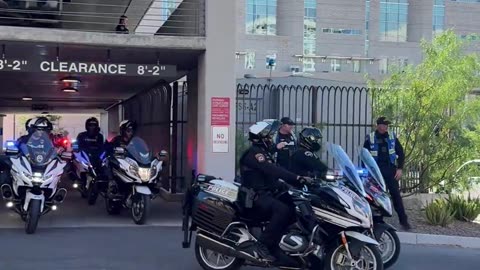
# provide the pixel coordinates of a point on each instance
(374, 147)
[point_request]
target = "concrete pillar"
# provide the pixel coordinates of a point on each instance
(104, 124)
(1, 130)
(216, 78)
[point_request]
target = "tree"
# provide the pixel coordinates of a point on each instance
(430, 110)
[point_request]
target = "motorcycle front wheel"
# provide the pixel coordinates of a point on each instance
(92, 193)
(369, 259)
(389, 247)
(33, 215)
(211, 260)
(140, 208)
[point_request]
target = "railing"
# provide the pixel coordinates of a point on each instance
(344, 114)
(139, 17)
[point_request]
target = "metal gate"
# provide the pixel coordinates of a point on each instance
(160, 113)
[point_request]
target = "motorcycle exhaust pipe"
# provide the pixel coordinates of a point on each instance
(60, 195)
(7, 192)
(223, 248)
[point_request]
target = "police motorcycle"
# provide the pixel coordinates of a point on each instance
(89, 173)
(381, 204)
(223, 225)
(36, 169)
(135, 174)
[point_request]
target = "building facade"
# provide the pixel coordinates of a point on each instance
(342, 40)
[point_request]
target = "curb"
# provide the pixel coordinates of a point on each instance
(432, 239)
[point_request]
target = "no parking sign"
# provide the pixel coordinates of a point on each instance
(220, 122)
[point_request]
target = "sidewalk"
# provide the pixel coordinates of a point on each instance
(432, 239)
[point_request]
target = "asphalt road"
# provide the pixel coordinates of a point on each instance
(155, 248)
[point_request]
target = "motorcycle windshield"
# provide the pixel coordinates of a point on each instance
(138, 150)
(372, 168)
(346, 165)
(39, 148)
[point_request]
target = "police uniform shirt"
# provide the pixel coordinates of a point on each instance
(283, 155)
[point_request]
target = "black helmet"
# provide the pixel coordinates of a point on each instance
(92, 121)
(311, 139)
(127, 124)
(261, 133)
(41, 123)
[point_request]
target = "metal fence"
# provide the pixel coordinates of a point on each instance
(344, 114)
(147, 17)
(160, 113)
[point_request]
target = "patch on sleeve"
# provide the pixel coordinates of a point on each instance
(260, 157)
(309, 154)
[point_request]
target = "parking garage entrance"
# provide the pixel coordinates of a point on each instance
(116, 83)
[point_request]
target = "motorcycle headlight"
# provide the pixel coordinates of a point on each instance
(145, 174)
(385, 203)
(134, 171)
(37, 177)
(153, 171)
(363, 208)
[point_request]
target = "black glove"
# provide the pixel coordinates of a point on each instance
(306, 180)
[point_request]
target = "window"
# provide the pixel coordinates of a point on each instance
(342, 31)
(393, 62)
(438, 16)
(335, 65)
(357, 68)
(309, 34)
(308, 64)
(250, 60)
(466, 1)
(393, 20)
(383, 66)
(261, 17)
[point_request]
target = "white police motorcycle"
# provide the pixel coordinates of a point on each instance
(36, 169)
(135, 174)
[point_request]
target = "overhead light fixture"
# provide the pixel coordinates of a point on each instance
(70, 90)
(70, 80)
(27, 98)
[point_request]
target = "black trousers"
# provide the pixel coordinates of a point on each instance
(393, 187)
(280, 215)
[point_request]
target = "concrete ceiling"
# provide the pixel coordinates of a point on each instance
(96, 92)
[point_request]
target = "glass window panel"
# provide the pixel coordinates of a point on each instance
(261, 10)
(250, 60)
(261, 2)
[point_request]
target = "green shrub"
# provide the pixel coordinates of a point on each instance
(439, 212)
(465, 209)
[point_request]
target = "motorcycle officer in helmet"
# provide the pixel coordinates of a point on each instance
(34, 124)
(91, 140)
(260, 179)
(305, 161)
(127, 131)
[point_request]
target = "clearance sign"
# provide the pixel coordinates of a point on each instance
(87, 68)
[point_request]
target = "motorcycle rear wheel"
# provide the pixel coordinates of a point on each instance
(211, 260)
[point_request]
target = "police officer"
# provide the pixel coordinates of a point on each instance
(388, 153)
(91, 140)
(305, 161)
(127, 130)
(285, 143)
(260, 175)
